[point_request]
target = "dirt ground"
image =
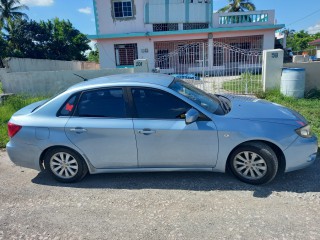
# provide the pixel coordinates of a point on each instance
(158, 206)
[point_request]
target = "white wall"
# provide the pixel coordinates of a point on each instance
(110, 25)
(28, 64)
(48, 83)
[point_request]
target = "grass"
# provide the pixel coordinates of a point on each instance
(246, 84)
(9, 107)
(309, 107)
(1, 91)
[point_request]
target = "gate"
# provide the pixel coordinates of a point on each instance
(214, 67)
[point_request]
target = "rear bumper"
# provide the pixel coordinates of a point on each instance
(302, 153)
(24, 155)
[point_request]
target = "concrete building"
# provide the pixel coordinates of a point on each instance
(151, 29)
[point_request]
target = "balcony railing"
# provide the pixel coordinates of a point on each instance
(243, 18)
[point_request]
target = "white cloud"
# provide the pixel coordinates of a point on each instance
(314, 29)
(42, 3)
(86, 10)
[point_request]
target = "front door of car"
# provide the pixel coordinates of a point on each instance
(164, 139)
(102, 130)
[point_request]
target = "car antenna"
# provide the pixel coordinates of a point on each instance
(84, 79)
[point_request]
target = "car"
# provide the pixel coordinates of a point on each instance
(148, 122)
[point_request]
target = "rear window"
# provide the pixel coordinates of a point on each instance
(68, 108)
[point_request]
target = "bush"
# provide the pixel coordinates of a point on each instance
(8, 108)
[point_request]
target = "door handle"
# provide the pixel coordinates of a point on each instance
(78, 130)
(146, 131)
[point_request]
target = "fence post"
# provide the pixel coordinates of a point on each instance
(272, 64)
(141, 65)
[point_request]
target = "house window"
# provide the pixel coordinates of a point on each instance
(122, 9)
(190, 26)
(165, 27)
(126, 54)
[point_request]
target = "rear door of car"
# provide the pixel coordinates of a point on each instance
(103, 129)
(164, 140)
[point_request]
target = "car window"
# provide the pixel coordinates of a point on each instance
(152, 103)
(208, 102)
(68, 107)
(102, 103)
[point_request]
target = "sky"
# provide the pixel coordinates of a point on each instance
(295, 14)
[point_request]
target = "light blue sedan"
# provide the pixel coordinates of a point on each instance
(154, 122)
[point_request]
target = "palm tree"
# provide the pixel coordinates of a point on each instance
(10, 10)
(238, 6)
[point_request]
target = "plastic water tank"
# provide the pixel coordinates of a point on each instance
(293, 82)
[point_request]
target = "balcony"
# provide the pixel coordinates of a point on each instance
(242, 19)
(178, 11)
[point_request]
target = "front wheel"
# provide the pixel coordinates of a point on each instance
(65, 165)
(255, 163)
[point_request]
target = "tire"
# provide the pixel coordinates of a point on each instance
(254, 163)
(65, 165)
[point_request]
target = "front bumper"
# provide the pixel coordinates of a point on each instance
(24, 155)
(301, 153)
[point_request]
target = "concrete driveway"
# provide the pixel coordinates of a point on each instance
(158, 206)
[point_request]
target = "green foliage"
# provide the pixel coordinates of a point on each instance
(10, 10)
(299, 41)
(309, 108)
(54, 39)
(8, 108)
(93, 56)
(238, 6)
(3, 47)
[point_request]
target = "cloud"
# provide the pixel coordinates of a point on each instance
(42, 3)
(86, 10)
(314, 29)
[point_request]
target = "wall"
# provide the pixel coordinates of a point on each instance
(107, 55)
(48, 83)
(108, 24)
(312, 73)
(28, 64)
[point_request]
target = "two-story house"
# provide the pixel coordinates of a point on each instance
(152, 29)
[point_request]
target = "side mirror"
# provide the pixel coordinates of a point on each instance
(191, 116)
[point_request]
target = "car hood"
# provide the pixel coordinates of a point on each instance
(243, 107)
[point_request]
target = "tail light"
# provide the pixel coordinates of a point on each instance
(13, 129)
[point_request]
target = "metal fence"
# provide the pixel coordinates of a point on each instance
(216, 67)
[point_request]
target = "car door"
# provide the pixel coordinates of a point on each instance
(164, 139)
(101, 128)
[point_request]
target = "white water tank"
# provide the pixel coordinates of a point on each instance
(293, 82)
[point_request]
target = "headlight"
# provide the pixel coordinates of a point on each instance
(304, 131)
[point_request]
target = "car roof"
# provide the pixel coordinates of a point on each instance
(149, 78)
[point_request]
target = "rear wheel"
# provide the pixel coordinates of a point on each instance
(65, 165)
(255, 163)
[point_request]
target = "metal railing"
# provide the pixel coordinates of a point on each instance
(244, 18)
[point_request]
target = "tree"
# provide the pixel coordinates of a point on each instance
(11, 10)
(238, 6)
(299, 41)
(3, 48)
(55, 39)
(94, 55)
(66, 42)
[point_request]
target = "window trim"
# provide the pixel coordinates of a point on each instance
(202, 116)
(114, 9)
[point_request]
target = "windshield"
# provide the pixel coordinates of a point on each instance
(208, 102)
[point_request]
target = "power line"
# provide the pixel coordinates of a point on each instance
(309, 15)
